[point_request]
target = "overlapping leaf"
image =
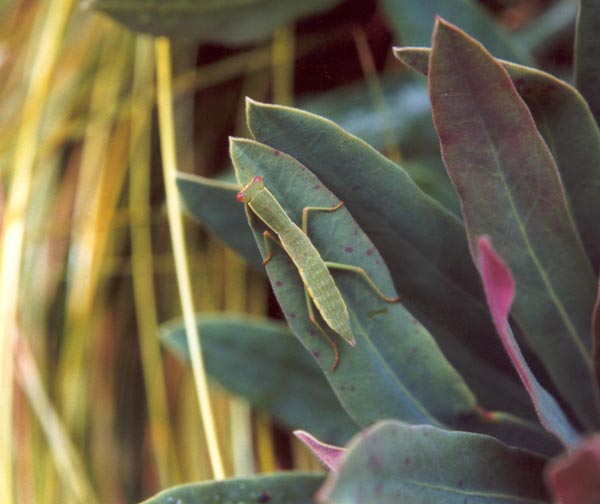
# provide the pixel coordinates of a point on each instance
(220, 21)
(282, 488)
(393, 462)
(422, 243)
(389, 339)
(396, 370)
(264, 363)
(509, 188)
(565, 121)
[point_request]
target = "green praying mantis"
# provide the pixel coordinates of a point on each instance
(319, 286)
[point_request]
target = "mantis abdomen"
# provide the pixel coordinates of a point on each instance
(318, 281)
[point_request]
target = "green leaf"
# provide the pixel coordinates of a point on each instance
(388, 337)
(231, 22)
(393, 463)
(213, 203)
(396, 369)
(568, 127)
(510, 189)
(587, 47)
(263, 362)
(422, 243)
(353, 108)
(281, 488)
(412, 21)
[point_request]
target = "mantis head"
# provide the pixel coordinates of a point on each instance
(250, 189)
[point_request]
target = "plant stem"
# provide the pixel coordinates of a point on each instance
(13, 228)
(167, 141)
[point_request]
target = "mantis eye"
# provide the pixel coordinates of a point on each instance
(240, 196)
(257, 180)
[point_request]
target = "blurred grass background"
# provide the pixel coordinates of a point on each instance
(99, 413)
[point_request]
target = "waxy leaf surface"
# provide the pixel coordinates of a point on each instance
(422, 243)
(281, 488)
(389, 339)
(232, 22)
(565, 121)
(396, 370)
(509, 188)
(264, 363)
(392, 463)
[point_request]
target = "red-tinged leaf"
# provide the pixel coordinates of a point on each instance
(565, 121)
(330, 455)
(499, 287)
(575, 478)
(509, 188)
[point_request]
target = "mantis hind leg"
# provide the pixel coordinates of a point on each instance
(307, 209)
(266, 236)
(313, 319)
(365, 275)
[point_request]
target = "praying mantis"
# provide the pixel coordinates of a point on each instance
(319, 286)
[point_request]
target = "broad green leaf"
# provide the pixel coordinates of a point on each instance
(213, 203)
(396, 369)
(587, 47)
(231, 22)
(388, 337)
(263, 362)
(392, 463)
(422, 243)
(412, 21)
(499, 287)
(509, 187)
(353, 108)
(281, 488)
(568, 127)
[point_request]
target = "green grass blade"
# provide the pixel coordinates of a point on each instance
(422, 243)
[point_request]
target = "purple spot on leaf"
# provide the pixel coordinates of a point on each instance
(316, 354)
(265, 496)
(276, 152)
(349, 250)
(407, 461)
(279, 283)
(370, 252)
(461, 484)
(316, 187)
(292, 315)
(374, 462)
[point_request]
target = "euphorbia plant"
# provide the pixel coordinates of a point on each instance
(433, 380)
